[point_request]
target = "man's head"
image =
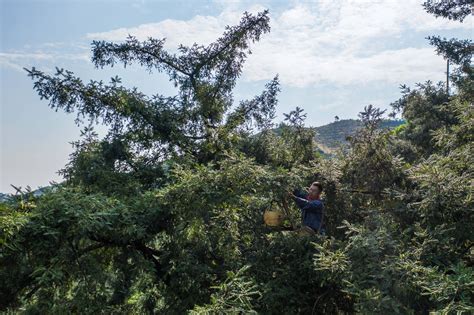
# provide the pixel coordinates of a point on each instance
(315, 190)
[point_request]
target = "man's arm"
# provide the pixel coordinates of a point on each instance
(300, 202)
(313, 206)
(299, 193)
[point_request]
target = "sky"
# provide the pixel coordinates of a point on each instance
(333, 57)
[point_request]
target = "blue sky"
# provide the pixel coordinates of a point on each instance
(333, 57)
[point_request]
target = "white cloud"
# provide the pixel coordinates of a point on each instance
(335, 41)
(395, 66)
(5, 63)
(202, 29)
(21, 55)
(46, 59)
(18, 60)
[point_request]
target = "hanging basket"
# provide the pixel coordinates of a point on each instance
(273, 218)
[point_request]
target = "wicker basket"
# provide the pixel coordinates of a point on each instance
(273, 218)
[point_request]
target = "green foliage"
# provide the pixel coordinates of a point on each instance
(370, 168)
(164, 215)
(453, 10)
(234, 296)
(289, 145)
(424, 109)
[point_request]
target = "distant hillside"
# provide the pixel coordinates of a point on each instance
(329, 137)
(38, 192)
(4, 197)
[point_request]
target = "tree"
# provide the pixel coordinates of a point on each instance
(104, 221)
(451, 9)
(455, 51)
(164, 215)
(198, 122)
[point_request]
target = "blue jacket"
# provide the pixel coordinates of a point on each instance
(311, 211)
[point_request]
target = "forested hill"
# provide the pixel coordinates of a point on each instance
(168, 214)
(329, 137)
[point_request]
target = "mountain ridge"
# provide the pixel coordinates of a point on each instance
(331, 136)
(328, 138)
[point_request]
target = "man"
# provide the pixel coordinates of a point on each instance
(311, 208)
